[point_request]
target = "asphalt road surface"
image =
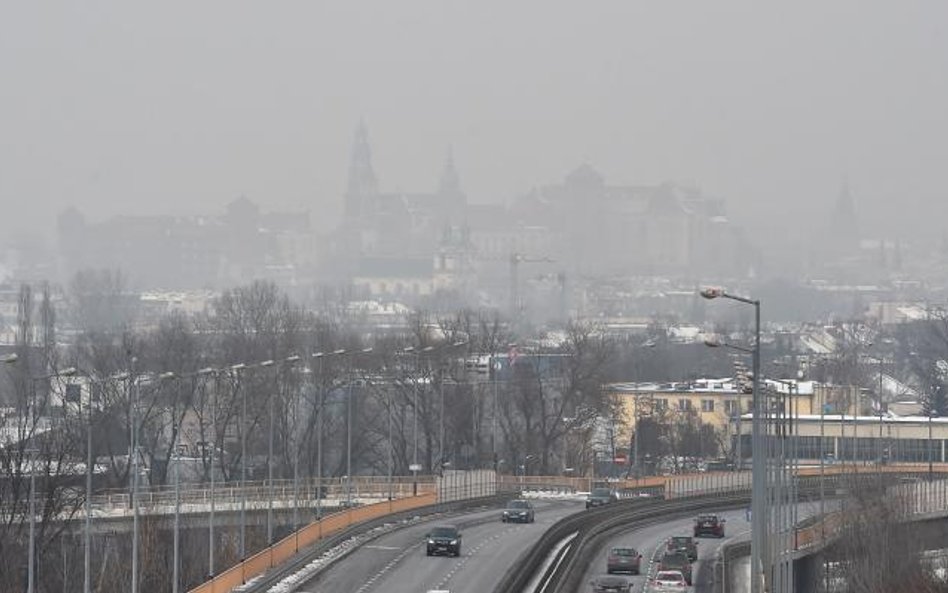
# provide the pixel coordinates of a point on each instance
(650, 542)
(397, 561)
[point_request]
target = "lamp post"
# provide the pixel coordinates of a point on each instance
(715, 343)
(759, 513)
(87, 536)
(349, 431)
(292, 359)
(267, 364)
(32, 452)
(931, 414)
(414, 420)
(243, 457)
(177, 518)
(213, 405)
(133, 453)
(441, 455)
(318, 380)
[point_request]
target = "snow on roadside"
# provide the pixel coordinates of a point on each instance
(329, 556)
(553, 495)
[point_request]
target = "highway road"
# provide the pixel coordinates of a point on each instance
(397, 561)
(650, 541)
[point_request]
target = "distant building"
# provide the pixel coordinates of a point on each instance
(192, 252)
(582, 226)
(608, 229)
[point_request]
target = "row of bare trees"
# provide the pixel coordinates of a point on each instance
(253, 369)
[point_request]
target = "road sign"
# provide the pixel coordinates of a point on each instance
(415, 467)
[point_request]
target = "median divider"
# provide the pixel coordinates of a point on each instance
(313, 533)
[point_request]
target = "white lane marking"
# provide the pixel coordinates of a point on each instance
(535, 579)
(459, 563)
(371, 582)
(381, 548)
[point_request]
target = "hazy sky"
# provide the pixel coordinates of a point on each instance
(179, 107)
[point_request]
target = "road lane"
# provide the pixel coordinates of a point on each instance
(397, 561)
(650, 541)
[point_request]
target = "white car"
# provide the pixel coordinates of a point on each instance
(669, 580)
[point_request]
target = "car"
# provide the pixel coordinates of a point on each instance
(709, 525)
(443, 540)
(624, 559)
(599, 497)
(518, 510)
(669, 580)
(676, 561)
(685, 544)
(610, 584)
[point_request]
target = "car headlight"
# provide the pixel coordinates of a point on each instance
(454, 542)
(430, 541)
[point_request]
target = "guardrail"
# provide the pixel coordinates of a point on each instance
(584, 529)
(693, 490)
(161, 499)
(909, 501)
(685, 496)
(311, 534)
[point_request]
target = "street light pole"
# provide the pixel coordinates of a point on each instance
(213, 447)
(133, 396)
(319, 433)
(414, 419)
(759, 512)
(270, 398)
(243, 457)
(931, 414)
(177, 520)
(30, 578)
(87, 538)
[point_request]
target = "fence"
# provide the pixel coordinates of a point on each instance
(305, 537)
(459, 485)
(912, 500)
(228, 495)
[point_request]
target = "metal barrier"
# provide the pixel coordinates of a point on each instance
(911, 501)
(314, 532)
(228, 495)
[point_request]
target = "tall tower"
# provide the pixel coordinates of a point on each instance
(362, 181)
(844, 225)
(453, 202)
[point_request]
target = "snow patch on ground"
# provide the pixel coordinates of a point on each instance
(289, 584)
(553, 495)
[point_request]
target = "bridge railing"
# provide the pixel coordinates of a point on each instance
(908, 500)
(330, 525)
(283, 492)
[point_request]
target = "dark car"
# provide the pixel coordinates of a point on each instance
(599, 497)
(684, 544)
(709, 526)
(518, 510)
(624, 560)
(610, 584)
(676, 561)
(444, 540)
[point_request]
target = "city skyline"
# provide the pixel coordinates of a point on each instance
(115, 109)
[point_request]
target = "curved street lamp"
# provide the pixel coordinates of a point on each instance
(759, 514)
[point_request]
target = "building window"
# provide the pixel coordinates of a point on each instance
(684, 405)
(730, 407)
(661, 404)
(707, 405)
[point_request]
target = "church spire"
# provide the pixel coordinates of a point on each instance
(450, 182)
(844, 225)
(362, 180)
